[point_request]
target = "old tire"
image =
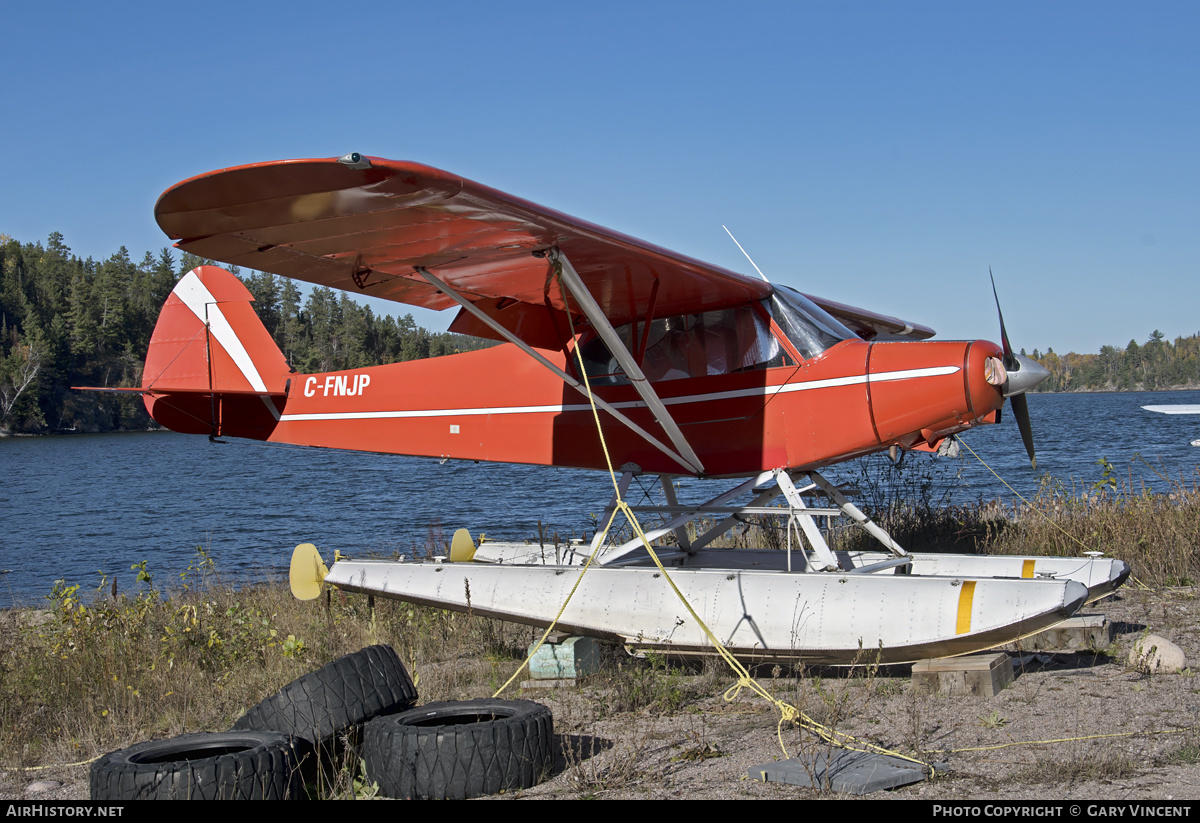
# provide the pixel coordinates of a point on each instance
(460, 749)
(249, 765)
(326, 703)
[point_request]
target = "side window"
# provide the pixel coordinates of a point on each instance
(602, 368)
(692, 345)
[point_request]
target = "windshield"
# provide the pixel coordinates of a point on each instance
(810, 328)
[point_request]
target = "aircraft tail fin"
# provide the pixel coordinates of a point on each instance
(212, 367)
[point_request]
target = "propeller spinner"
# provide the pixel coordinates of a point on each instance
(1023, 373)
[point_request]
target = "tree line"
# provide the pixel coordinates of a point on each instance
(1153, 365)
(65, 321)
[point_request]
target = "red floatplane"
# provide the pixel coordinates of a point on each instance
(695, 370)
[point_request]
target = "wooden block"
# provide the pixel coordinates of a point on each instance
(985, 674)
(1079, 633)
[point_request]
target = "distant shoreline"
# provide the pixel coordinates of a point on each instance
(1189, 387)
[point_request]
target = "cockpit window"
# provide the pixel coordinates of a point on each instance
(718, 342)
(690, 345)
(810, 328)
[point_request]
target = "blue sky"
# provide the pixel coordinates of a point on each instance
(881, 154)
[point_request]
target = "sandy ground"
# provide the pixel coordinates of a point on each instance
(1040, 738)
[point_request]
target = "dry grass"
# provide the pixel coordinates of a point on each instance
(88, 675)
(95, 672)
(1155, 533)
(1098, 763)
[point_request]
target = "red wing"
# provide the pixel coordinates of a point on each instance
(365, 229)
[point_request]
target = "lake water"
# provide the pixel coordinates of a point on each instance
(80, 507)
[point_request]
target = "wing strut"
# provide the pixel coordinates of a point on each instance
(591, 309)
(566, 378)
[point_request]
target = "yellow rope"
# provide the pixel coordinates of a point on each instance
(787, 712)
(1086, 548)
(554, 622)
(1049, 519)
(58, 765)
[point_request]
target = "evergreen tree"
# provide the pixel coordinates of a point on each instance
(265, 288)
(289, 336)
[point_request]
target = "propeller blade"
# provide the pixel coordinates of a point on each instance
(1023, 374)
(1009, 361)
(1020, 407)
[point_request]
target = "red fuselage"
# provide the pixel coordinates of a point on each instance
(499, 405)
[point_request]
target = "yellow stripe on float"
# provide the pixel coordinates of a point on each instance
(965, 599)
(1027, 568)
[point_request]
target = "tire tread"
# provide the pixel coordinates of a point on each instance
(342, 694)
(514, 750)
(266, 769)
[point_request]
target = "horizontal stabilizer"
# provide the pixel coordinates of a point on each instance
(108, 389)
(162, 390)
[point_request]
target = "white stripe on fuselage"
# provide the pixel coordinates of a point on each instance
(768, 391)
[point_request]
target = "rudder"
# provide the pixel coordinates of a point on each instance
(212, 367)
